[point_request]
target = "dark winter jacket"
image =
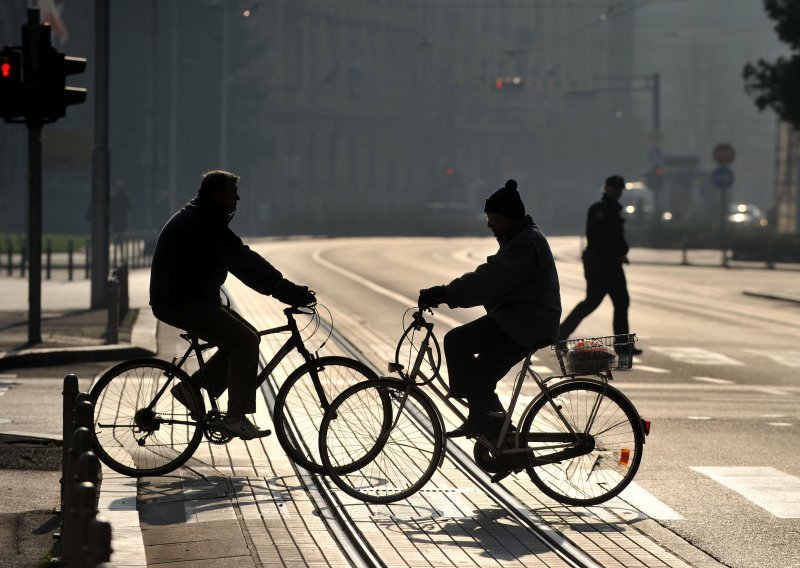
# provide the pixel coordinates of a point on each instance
(605, 232)
(518, 286)
(194, 253)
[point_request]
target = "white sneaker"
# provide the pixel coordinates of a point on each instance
(243, 428)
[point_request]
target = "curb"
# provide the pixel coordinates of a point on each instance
(143, 344)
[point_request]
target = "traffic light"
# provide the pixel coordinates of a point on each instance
(11, 98)
(509, 83)
(654, 177)
(58, 95)
(43, 95)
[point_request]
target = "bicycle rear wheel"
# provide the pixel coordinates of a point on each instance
(299, 410)
(378, 452)
(603, 462)
(140, 428)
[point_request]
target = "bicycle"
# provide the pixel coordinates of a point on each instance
(580, 439)
(141, 429)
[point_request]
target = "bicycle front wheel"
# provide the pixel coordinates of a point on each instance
(299, 408)
(586, 446)
(140, 428)
(381, 441)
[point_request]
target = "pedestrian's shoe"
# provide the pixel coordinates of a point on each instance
(182, 395)
(243, 428)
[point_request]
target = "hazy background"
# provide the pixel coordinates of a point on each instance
(385, 117)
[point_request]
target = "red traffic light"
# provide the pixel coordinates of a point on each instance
(9, 65)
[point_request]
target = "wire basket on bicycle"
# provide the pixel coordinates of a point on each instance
(593, 355)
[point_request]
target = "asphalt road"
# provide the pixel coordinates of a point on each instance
(719, 377)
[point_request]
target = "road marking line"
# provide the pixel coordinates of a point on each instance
(649, 369)
(699, 418)
(638, 497)
(773, 490)
(784, 357)
(404, 300)
(713, 380)
(696, 356)
(779, 424)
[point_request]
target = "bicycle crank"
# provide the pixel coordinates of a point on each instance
(214, 431)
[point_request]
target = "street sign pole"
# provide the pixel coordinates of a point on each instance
(722, 178)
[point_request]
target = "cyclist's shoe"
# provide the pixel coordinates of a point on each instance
(243, 428)
(182, 395)
(636, 351)
(477, 425)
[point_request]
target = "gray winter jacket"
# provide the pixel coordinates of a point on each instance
(518, 286)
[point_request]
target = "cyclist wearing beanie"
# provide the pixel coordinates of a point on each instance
(518, 286)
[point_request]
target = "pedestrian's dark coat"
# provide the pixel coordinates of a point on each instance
(194, 253)
(605, 231)
(518, 286)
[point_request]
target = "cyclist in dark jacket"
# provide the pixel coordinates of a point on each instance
(518, 286)
(606, 252)
(194, 253)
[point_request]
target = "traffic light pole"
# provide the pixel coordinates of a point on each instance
(100, 162)
(35, 232)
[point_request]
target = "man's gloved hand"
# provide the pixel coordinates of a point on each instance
(432, 297)
(290, 293)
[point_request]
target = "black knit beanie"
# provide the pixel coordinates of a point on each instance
(506, 201)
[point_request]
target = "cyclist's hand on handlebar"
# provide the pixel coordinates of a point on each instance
(431, 297)
(290, 293)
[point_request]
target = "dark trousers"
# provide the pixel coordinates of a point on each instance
(601, 278)
(478, 355)
(235, 364)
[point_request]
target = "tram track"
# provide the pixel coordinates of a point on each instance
(354, 544)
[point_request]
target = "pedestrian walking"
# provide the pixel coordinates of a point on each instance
(518, 287)
(603, 259)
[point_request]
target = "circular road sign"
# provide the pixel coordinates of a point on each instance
(722, 177)
(723, 154)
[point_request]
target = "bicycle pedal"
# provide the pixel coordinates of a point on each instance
(498, 477)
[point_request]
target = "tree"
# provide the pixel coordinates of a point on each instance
(777, 85)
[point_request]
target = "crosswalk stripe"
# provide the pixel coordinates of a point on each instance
(696, 356)
(784, 357)
(713, 380)
(773, 490)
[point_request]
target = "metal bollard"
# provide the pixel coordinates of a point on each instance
(49, 259)
(80, 442)
(81, 511)
(112, 329)
(97, 549)
(88, 469)
(87, 257)
(69, 393)
(84, 412)
(23, 257)
(122, 277)
(70, 253)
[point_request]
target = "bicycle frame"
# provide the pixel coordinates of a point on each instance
(295, 341)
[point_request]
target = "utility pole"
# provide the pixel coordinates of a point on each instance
(100, 162)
